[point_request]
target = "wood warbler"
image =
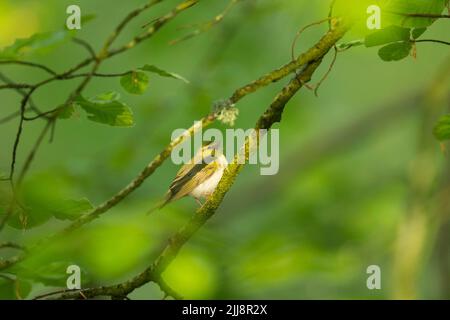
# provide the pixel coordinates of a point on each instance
(199, 177)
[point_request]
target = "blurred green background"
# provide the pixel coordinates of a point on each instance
(362, 181)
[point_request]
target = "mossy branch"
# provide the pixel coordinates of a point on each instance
(272, 115)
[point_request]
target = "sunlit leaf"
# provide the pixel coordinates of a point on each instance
(135, 82)
(163, 73)
(107, 109)
(387, 35)
(38, 43)
(396, 11)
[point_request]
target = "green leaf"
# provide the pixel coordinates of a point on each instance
(43, 196)
(135, 82)
(14, 289)
(163, 73)
(417, 32)
(38, 43)
(71, 209)
(7, 206)
(387, 35)
(86, 18)
(67, 112)
(395, 51)
(107, 109)
(395, 11)
(44, 269)
(442, 129)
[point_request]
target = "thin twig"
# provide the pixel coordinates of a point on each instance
(16, 86)
(29, 64)
(433, 41)
(33, 151)
(300, 32)
(19, 133)
(208, 25)
(325, 76)
(85, 45)
(22, 92)
(154, 27)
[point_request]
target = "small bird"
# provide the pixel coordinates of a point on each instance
(199, 177)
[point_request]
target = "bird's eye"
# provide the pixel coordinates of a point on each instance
(213, 153)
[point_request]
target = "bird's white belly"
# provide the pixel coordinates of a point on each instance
(205, 189)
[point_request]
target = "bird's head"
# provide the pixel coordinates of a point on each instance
(210, 148)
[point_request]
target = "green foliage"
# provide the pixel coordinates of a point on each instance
(394, 12)
(202, 281)
(417, 32)
(37, 44)
(387, 35)
(49, 267)
(67, 111)
(395, 51)
(442, 129)
(163, 73)
(275, 249)
(397, 27)
(107, 109)
(72, 209)
(41, 43)
(85, 18)
(114, 249)
(135, 82)
(38, 204)
(12, 289)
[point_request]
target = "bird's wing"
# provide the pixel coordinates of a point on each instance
(183, 171)
(198, 174)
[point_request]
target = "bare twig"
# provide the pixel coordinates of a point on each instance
(208, 25)
(19, 133)
(325, 76)
(85, 45)
(31, 155)
(29, 64)
(16, 86)
(154, 27)
(22, 92)
(433, 41)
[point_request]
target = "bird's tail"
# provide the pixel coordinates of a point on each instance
(160, 204)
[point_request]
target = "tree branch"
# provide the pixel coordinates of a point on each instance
(203, 214)
(104, 54)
